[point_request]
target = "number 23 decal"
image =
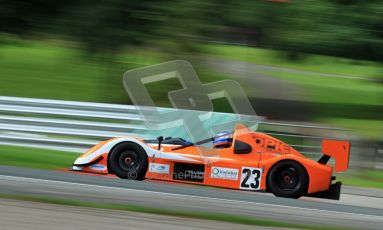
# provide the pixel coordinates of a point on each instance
(251, 178)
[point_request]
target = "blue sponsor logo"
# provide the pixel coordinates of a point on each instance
(98, 167)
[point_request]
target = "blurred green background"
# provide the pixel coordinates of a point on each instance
(330, 52)
(314, 61)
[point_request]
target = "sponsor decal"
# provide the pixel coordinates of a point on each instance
(189, 172)
(98, 167)
(190, 175)
(224, 173)
(159, 168)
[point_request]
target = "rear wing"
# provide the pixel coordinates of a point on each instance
(339, 150)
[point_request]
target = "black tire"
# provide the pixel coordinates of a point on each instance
(128, 160)
(288, 179)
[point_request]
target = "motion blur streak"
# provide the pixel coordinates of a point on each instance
(87, 218)
(301, 64)
(107, 190)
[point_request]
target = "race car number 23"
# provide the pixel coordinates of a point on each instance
(251, 178)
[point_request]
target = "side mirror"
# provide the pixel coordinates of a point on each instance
(160, 139)
(241, 147)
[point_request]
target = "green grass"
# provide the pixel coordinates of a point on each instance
(369, 128)
(35, 158)
(59, 71)
(363, 178)
(334, 90)
(314, 88)
(361, 182)
(314, 63)
(167, 212)
(351, 104)
(342, 102)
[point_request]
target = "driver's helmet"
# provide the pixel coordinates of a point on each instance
(223, 139)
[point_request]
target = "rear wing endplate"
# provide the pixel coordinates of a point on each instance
(339, 150)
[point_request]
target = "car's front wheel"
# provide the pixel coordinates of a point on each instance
(288, 179)
(128, 160)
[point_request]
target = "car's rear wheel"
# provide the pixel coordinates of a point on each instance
(288, 179)
(128, 160)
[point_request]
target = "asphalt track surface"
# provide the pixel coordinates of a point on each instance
(358, 208)
(35, 216)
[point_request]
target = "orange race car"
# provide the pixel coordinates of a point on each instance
(243, 160)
